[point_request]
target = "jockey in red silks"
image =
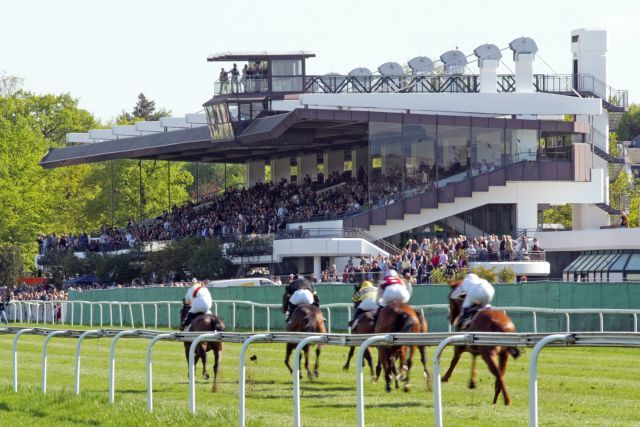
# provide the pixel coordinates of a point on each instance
(199, 298)
(393, 289)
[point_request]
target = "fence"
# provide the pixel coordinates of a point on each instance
(247, 315)
(537, 341)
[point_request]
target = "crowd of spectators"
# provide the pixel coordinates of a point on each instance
(33, 293)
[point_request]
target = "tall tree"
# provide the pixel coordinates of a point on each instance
(145, 109)
(629, 126)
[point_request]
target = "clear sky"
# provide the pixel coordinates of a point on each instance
(106, 52)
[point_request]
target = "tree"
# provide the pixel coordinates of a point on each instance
(170, 263)
(145, 109)
(208, 261)
(9, 84)
(629, 126)
(11, 267)
(117, 269)
(561, 214)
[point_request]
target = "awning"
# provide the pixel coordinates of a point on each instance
(603, 262)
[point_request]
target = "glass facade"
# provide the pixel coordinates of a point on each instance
(411, 158)
(219, 120)
(286, 75)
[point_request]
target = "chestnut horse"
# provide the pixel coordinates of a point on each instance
(487, 320)
(364, 325)
(205, 323)
(306, 318)
(398, 317)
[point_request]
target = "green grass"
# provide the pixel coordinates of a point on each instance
(577, 386)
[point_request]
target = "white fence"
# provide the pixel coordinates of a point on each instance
(132, 314)
(538, 341)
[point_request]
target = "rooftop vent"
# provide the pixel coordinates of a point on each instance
(421, 65)
(488, 57)
(391, 69)
(454, 62)
(524, 52)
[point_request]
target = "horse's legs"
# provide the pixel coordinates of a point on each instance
(367, 357)
(474, 372)
(316, 367)
(457, 351)
(378, 369)
(349, 356)
(202, 350)
(383, 359)
(407, 365)
(217, 356)
(423, 359)
(503, 358)
(287, 356)
(489, 358)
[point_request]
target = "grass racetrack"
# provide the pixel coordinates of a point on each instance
(576, 386)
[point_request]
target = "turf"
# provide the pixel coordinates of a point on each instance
(577, 386)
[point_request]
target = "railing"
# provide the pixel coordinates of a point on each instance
(537, 341)
(321, 233)
(253, 316)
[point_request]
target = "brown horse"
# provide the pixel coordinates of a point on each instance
(364, 325)
(306, 318)
(487, 320)
(399, 318)
(205, 323)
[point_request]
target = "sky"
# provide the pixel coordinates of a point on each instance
(105, 53)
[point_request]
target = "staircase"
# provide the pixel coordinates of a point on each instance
(538, 170)
(609, 209)
(606, 156)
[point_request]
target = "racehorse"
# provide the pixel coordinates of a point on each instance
(306, 318)
(205, 323)
(487, 320)
(398, 317)
(364, 325)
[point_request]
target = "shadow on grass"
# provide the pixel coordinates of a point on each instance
(373, 405)
(4, 407)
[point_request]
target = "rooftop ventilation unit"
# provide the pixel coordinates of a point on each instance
(454, 62)
(488, 57)
(524, 52)
(361, 78)
(421, 66)
(391, 69)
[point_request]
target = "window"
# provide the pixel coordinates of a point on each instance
(286, 75)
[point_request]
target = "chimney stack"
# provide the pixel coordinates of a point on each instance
(489, 56)
(524, 52)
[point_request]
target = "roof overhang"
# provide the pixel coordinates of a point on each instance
(259, 55)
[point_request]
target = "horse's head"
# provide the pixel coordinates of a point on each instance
(455, 303)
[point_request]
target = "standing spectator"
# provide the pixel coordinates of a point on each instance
(224, 81)
(3, 315)
(624, 220)
(234, 79)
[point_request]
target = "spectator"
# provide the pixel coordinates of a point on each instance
(224, 81)
(624, 220)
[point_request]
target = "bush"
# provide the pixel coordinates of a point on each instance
(438, 276)
(485, 273)
(506, 275)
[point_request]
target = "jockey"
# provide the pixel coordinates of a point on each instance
(364, 299)
(393, 289)
(299, 291)
(477, 293)
(199, 298)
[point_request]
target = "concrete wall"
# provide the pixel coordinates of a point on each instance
(594, 239)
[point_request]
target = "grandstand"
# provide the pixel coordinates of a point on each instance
(360, 162)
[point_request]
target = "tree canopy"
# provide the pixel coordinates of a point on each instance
(629, 126)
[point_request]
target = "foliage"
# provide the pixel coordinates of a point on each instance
(561, 214)
(11, 267)
(438, 276)
(211, 177)
(170, 263)
(629, 126)
(117, 269)
(9, 84)
(485, 273)
(506, 275)
(145, 109)
(208, 261)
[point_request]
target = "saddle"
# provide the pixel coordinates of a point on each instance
(468, 317)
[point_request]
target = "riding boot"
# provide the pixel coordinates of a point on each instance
(187, 320)
(375, 316)
(465, 318)
(356, 314)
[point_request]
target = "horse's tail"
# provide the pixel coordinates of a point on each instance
(404, 322)
(515, 352)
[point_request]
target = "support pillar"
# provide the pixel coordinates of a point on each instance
(360, 159)
(255, 173)
(526, 216)
(307, 165)
(317, 267)
(333, 162)
(280, 168)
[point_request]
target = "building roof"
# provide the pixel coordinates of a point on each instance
(605, 262)
(258, 55)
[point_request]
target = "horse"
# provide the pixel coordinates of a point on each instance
(399, 317)
(487, 320)
(306, 318)
(205, 323)
(364, 325)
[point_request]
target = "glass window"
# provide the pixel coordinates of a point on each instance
(286, 75)
(487, 149)
(453, 150)
(420, 158)
(386, 162)
(219, 120)
(521, 144)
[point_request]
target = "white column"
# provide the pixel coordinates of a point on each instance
(585, 216)
(333, 162)
(488, 76)
(280, 168)
(526, 216)
(307, 165)
(524, 72)
(317, 267)
(360, 158)
(255, 173)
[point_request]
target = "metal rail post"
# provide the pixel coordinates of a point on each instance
(112, 363)
(359, 381)
(296, 374)
(437, 386)
(533, 374)
(76, 387)
(15, 356)
(192, 366)
(44, 356)
(242, 374)
(155, 339)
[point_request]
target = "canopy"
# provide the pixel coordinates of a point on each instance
(88, 279)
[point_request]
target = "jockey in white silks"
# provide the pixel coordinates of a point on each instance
(393, 289)
(478, 294)
(199, 298)
(299, 291)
